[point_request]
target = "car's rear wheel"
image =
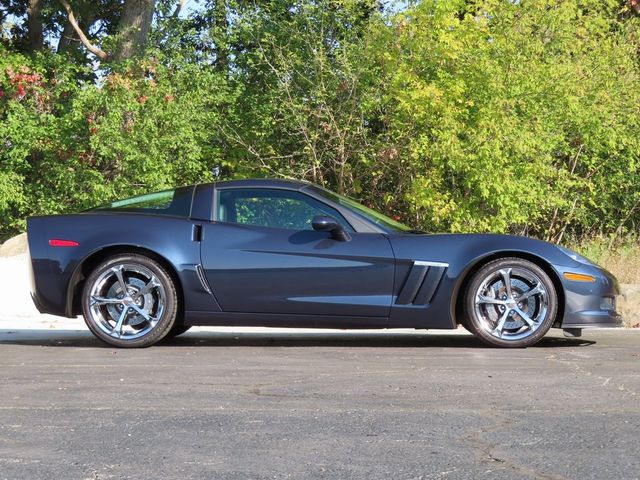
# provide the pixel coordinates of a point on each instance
(510, 302)
(129, 301)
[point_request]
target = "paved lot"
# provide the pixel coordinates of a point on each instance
(281, 405)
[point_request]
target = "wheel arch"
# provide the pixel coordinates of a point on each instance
(478, 263)
(91, 261)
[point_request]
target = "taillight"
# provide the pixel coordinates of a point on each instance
(55, 242)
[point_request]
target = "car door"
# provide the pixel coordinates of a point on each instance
(263, 256)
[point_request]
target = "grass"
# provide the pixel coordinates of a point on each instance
(621, 258)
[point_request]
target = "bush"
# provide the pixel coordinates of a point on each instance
(488, 115)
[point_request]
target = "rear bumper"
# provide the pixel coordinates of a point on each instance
(32, 283)
(37, 303)
(591, 304)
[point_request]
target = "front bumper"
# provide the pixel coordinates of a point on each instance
(590, 304)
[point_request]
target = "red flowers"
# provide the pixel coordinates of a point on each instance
(23, 80)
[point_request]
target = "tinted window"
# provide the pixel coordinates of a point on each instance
(375, 217)
(176, 202)
(273, 208)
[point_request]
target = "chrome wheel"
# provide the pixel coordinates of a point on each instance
(126, 301)
(510, 302)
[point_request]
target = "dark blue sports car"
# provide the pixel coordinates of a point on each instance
(290, 254)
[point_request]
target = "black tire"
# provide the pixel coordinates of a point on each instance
(517, 320)
(139, 314)
(178, 329)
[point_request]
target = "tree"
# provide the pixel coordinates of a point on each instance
(477, 115)
(123, 26)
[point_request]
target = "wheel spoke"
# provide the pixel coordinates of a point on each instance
(538, 289)
(525, 317)
(117, 330)
(118, 271)
(146, 316)
(146, 289)
(501, 322)
(506, 278)
(96, 300)
(493, 301)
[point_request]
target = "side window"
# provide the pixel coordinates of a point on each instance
(175, 202)
(273, 208)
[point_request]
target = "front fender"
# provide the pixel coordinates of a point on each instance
(461, 253)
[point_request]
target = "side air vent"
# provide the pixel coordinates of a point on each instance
(203, 278)
(421, 283)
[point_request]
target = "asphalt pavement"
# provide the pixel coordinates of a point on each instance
(326, 405)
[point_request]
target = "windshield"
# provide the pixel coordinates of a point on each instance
(372, 215)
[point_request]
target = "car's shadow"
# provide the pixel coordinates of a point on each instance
(79, 338)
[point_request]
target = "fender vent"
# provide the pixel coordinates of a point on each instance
(421, 283)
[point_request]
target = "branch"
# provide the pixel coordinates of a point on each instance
(83, 38)
(178, 8)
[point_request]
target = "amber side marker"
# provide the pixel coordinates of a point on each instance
(578, 277)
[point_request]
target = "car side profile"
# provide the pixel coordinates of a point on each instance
(282, 253)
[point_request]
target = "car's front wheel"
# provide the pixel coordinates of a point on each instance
(178, 329)
(129, 300)
(510, 302)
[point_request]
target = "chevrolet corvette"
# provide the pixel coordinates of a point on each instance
(283, 253)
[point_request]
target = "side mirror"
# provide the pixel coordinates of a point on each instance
(324, 223)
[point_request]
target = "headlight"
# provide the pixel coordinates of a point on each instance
(576, 256)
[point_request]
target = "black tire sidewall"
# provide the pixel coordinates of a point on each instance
(472, 323)
(164, 325)
(178, 329)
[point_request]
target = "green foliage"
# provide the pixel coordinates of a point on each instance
(484, 115)
(516, 116)
(71, 145)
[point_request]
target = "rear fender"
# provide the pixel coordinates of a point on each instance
(59, 271)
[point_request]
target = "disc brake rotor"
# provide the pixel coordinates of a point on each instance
(145, 303)
(517, 287)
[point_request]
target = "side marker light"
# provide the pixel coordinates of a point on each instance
(55, 242)
(579, 277)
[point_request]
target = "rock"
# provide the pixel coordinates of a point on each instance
(628, 304)
(14, 246)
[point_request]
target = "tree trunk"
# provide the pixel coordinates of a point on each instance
(134, 27)
(67, 39)
(221, 25)
(34, 26)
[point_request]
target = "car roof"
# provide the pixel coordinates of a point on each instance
(263, 182)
